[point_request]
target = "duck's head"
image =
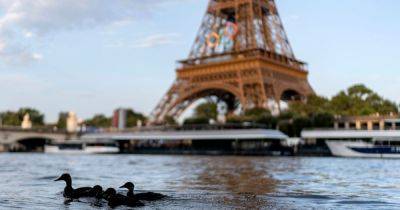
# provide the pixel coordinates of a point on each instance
(97, 188)
(98, 191)
(109, 192)
(65, 177)
(128, 185)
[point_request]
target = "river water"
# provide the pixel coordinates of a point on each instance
(205, 182)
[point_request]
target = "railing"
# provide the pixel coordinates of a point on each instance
(253, 53)
(351, 129)
(34, 129)
(196, 127)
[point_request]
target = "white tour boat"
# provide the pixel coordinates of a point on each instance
(358, 143)
(82, 147)
(377, 148)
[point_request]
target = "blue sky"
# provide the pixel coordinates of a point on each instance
(97, 55)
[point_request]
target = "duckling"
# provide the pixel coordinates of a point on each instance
(70, 192)
(147, 196)
(96, 192)
(115, 199)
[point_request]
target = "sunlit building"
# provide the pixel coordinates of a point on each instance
(372, 122)
(119, 119)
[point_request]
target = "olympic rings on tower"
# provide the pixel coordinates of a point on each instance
(213, 40)
(226, 36)
(233, 32)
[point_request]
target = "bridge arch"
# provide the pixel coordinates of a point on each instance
(33, 144)
(291, 95)
(227, 93)
(28, 140)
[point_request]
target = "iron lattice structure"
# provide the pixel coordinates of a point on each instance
(242, 56)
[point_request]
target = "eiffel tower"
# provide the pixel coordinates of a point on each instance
(242, 56)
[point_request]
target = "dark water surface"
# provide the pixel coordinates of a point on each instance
(202, 182)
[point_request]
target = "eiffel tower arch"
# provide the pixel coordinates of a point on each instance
(242, 56)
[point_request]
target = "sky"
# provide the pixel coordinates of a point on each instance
(93, 56)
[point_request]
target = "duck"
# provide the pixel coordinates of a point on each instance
(147, 196)
(70, 192)
(115, 199)
(96, 192)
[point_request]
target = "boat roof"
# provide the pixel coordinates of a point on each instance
(350, 134)
(84, 141)
(234, 134)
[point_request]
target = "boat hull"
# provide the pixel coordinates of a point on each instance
(86, 150)
(362, 149)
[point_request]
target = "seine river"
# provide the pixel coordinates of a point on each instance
(205, 182)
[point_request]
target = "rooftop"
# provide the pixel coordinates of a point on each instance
(236, 134)
(345, 134)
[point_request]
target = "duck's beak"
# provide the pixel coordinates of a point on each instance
(123, 186)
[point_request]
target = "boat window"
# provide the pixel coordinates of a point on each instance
(341, 125)
(70, 146)
(101, 144)
(364, 126)
(397, 125)
(388, 126)
(352, 125)
(376, 126)
(395, 143)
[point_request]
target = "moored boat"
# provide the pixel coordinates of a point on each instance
(377, 148)
(82, 147)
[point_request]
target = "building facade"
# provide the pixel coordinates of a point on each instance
(373, 122)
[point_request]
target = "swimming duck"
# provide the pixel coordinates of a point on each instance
(70, 192)
(147, 196)
(115, 199)
(96, 192)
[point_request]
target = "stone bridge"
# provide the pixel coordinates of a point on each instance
(15, 139)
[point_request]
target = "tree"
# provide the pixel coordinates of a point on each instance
(234, 119)
(322, 120)
(133, 117)
(10, 118)
(299, 124)
(269, 121)
(99, 121)
(314, 104)
(36, 117)
(197, 121)
(62, 120)
(358, 100)
(207, 110)
(169, 120)
(257, 112)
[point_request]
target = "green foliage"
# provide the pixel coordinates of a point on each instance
(207, 110)
(234, 119)
(322, 120)
(62, 120)
(314, 104)
(257, 112)
(357, 100)
(10, 118)
(133, 117)
(197, 121)
(99, 121)
(269, 121)
(36, 117)
(170, 120)
(259, 116)
(298, 124)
